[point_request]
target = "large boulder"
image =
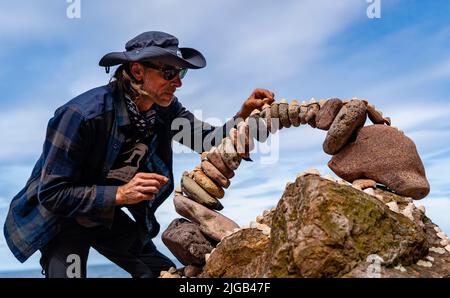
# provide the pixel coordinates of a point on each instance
(324, 229)
(386, 155)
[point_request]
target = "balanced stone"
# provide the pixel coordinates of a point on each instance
(383, 154)
(213, 173)
(276, 123)
(229, 155)
(214, 157)
(211, 223)
(257, 125)
(350, 118)
(283, 112)
(293, 111)
(327, 113)
(207, 184)
(186, 242)
(374, 115)
(197, 193)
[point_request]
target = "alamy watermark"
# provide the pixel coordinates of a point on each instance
(249, 135)
(74, 266)
(73, 10)
(374, 269)
(374, 9)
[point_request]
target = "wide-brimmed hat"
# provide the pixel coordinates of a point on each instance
(155, 46)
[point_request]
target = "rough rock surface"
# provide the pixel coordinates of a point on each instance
(186, 242)
(328, 112)
(324, 229)
(211, 223)
(350, 118)
(383, 154)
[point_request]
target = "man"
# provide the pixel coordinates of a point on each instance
(107, 149)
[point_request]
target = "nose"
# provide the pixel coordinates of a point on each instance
(176, 82)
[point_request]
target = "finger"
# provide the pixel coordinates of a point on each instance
(261, 93)
(148, 189)
(160, 178)
(149, 182)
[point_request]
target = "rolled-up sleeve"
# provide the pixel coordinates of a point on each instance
(60, 191)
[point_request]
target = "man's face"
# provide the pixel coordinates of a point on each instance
(160, 90)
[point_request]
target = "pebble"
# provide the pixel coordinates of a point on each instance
(444, 242)
(393, 206)
(310, 171)
(447, 248)
(429, 258)
(262, 227)
(424, 263)
(370, 191)
(400, 267)
(329, 177)
(438, 250)
(408, 211)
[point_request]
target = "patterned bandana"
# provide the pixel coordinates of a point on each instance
(143, 122)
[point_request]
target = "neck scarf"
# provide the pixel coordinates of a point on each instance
(143, 122)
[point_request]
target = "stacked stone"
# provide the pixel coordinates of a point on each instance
(191, 240)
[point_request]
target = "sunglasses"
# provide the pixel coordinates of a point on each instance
(169, 73)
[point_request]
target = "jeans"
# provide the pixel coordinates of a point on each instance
(120, 244)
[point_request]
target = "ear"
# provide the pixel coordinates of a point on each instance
(137, 70)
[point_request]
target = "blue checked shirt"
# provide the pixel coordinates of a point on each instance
(68, 181)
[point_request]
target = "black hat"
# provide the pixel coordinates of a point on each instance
(155, 46)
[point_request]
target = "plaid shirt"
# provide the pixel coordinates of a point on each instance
(68, 181)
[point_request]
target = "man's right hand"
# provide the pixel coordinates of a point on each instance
(142, 187)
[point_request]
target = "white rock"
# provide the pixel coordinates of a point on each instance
(424, 263)
(207, 257)
(429, 258)
(444, 242)
(400, 267)
(393, 206)
(262, 227)
(438, 250)
(266, 231)
(442, 235)
(408, 211)
(447, 248)
(437, 229)
(369, 191)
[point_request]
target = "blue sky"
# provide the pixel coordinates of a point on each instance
(300, 49)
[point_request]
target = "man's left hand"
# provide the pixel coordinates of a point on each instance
(256, 100)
